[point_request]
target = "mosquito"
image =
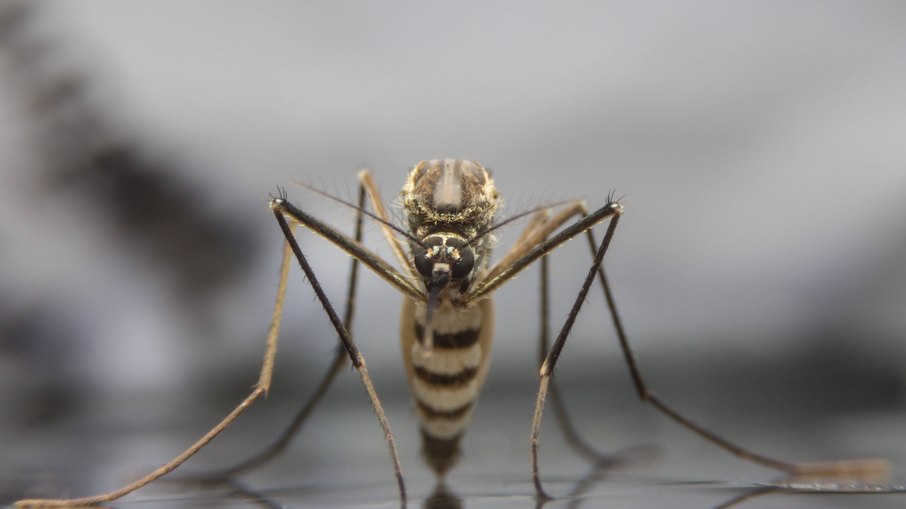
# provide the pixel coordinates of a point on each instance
(447, 319)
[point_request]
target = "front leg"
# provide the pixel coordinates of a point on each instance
(358, 360)
(547, 367)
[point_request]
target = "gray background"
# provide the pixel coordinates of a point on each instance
(759, 147)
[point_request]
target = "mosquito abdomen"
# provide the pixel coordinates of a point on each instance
(446, 382)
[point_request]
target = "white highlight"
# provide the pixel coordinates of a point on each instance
(444, 399)
(450, 320)
(448, 190)
(446, 362)
(444, 428)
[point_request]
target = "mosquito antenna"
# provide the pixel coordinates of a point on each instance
(353, 206)
(509, 220)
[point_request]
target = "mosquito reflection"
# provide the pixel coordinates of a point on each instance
(443, 498)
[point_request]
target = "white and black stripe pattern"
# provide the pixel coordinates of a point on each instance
(448, 204)
(447, 381)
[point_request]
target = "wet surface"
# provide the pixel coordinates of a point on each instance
(341, 461)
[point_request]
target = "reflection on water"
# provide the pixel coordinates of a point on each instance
(597, 486)
(340, 461)
(443, 498)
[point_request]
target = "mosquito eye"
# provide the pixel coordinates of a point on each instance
(426, 255)
(422, 263)
(463, 266)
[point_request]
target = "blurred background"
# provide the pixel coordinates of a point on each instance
(760, 267)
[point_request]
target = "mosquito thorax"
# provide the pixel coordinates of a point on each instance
(449, 195)
(449, 203)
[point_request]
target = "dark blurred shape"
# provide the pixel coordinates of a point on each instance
(442, 498)
(38, 363)
(110, 177)
(145, 198)
(13, 16)
(203, 252)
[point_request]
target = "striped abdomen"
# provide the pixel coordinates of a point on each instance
(446, 383)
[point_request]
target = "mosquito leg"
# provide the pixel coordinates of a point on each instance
(535, 233)
(377, 203)
(302, 414)
(358, 360)
(573, 438)
(264, 382)
(645, 394)
(544, 328)
(535, 246)
(547, 367)
(355, 249)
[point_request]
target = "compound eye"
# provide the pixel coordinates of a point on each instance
(426, 255)
(462, 261)
(463, 267)
(422, 263)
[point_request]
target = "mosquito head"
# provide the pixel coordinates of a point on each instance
(447, 201)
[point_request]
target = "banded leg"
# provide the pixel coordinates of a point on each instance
(301, 416)
(263, 385)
